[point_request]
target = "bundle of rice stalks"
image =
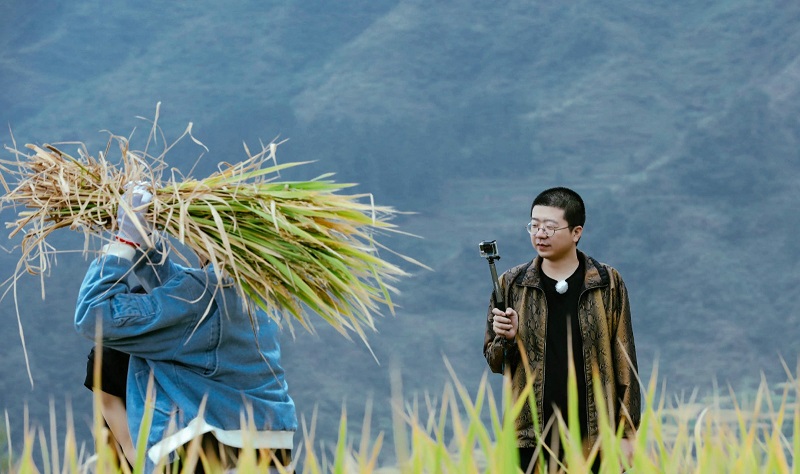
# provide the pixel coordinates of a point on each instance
(291, 247)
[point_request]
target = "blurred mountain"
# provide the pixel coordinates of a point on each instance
(677, 122)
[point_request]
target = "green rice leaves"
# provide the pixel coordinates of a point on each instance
(292, 247)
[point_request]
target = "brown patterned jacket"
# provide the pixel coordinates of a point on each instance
(605, 320)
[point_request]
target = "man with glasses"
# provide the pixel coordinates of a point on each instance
(564, 306)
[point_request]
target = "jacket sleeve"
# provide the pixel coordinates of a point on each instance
(149, 325)
(493, 348)
(154, 268)
(625, 364)
(497, 350)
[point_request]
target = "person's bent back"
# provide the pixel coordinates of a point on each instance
(212, 366)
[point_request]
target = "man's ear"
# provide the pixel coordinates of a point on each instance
(577, 231)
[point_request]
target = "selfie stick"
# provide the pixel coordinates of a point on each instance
(498, 294)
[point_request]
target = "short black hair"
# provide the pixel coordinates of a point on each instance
(566, 199)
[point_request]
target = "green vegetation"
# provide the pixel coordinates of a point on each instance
(726, 434)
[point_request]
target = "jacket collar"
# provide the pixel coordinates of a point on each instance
(596, 275)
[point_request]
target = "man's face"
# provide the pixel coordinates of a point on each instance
(561, 244)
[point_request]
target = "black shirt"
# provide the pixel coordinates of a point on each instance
(113, 372)
(562, 320)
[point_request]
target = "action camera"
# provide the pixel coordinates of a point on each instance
(488, 249)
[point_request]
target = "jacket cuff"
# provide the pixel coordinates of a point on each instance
(506, 343)
(118, 249)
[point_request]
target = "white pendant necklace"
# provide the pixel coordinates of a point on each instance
(561, 286)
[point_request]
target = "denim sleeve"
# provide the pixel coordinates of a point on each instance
(154, 268)
(152, 325)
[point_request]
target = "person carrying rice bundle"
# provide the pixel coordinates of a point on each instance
(203, 340)
(193, 358)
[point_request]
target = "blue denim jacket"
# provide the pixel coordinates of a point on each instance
(195, 338)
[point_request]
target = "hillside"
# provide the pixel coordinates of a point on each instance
(677, 121)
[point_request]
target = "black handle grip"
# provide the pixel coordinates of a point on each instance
(498, 292)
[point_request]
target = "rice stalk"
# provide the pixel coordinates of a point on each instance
(292, 247)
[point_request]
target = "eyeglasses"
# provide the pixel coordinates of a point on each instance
(548, 231)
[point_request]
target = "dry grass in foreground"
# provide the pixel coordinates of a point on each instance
(723, 434)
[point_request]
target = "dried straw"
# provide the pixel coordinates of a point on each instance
(290, 246)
